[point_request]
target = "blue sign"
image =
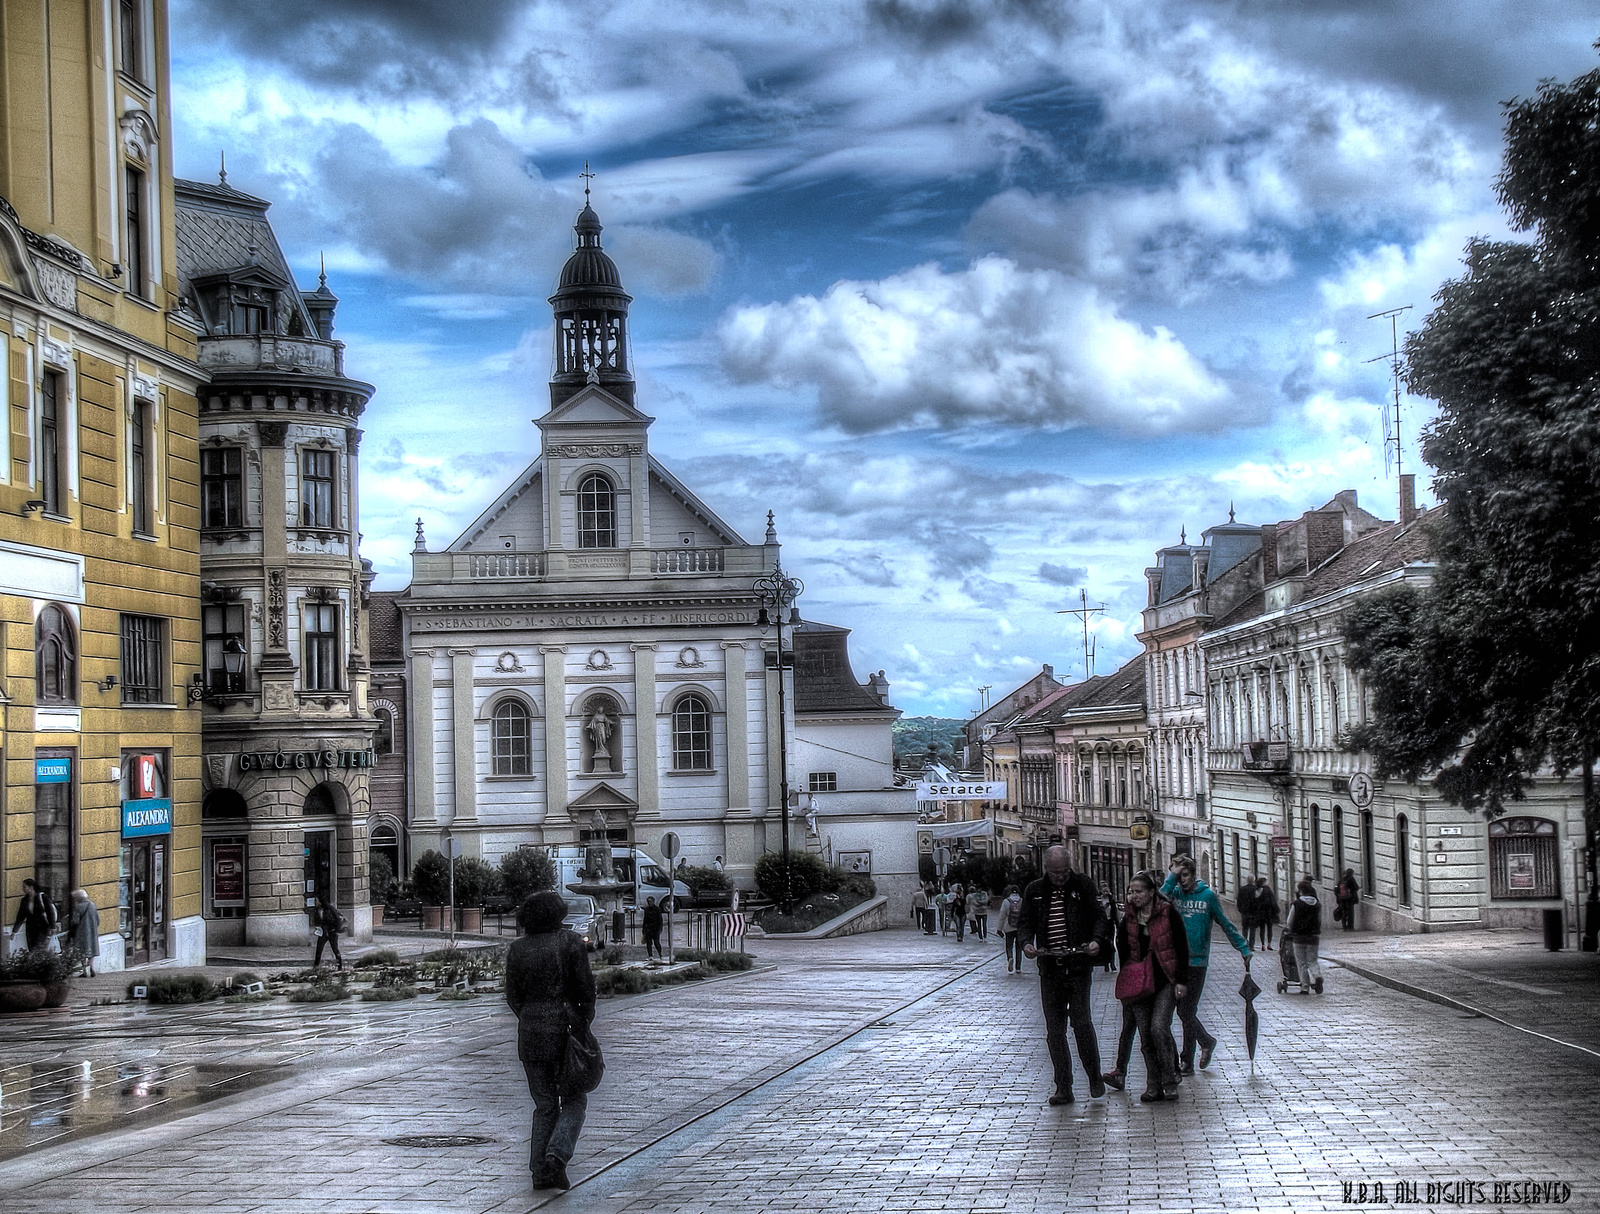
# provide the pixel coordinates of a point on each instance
(52, 771)
(152, 816)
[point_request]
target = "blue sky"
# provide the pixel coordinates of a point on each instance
(987, 300)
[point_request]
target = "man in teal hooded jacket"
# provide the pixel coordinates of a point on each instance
(1199, 905)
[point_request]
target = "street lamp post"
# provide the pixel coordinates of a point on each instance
(777, 594)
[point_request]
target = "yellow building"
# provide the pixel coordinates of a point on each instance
(99, 495)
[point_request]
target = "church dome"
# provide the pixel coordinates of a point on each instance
(589, 266)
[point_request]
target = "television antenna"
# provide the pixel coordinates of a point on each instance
(984, 693)
(1391, 424)
(1084, 612)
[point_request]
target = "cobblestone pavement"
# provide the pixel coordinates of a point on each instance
(1504, 973)
(883, 1072)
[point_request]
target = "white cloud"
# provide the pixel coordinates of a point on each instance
(989, 344)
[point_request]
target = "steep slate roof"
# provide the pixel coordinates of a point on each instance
(823, 678)
(383, 625)
(216, 225)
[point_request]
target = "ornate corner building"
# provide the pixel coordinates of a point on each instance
(99, 548)
(283, 646)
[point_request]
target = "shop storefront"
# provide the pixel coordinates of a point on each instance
(146, 858)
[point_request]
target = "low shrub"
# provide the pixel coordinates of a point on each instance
(388, 994)
(320, 992)
(262, 997)
(722, 962)
(176, 988)
(380, 956)
(243, 978)
(812, 912)
(613, 955)
(609, 982)
(453, 995)
(808, 874)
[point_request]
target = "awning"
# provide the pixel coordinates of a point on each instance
(982, 828)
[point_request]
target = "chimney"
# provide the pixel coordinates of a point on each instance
(1408, 498)
(1324, 536)
(1048, 671)
(1269, 553)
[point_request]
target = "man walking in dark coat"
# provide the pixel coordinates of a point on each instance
(652, 929)
(550, 987)
(1062, 925)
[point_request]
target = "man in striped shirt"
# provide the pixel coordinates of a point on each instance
(1062, 925)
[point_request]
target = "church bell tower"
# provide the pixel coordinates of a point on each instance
(591, 319)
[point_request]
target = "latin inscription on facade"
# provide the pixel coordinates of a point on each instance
(582, 619)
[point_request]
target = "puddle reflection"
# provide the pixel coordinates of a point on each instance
(45, 1102)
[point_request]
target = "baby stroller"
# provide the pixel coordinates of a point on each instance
(1291, 972)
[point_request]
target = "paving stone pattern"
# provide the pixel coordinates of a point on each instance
(768, 1092)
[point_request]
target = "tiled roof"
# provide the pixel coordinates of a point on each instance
(383, 625)
(823, 678)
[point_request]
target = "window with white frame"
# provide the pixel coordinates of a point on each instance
(130, 38)
(139, 479)
(320, 661)
(691, 734)
(512, 739)
(136, 254)
(53, 435)
(597, 512)
(318, 485)
(823, 781)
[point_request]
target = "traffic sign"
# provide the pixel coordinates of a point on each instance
(671, 845)
(941, 859)
(452, 847)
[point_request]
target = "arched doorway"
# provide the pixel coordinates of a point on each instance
(320, 809)
(383, 842)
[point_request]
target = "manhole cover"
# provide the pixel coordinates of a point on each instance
(438, 1140)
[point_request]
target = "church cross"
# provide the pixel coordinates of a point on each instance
(586, 176)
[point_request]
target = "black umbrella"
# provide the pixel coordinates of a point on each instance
(1248, 990)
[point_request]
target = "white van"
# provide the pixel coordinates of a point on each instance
(630, 864)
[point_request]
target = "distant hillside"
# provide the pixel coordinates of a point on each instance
(912, 735)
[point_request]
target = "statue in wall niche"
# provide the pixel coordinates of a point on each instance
(600, 725)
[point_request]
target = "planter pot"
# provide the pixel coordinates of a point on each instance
(55, 993)
(21, 997)
(377, 914)
(432, 918)
(472, 919)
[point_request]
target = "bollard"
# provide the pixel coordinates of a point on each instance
(618, 926)
(1555, 930)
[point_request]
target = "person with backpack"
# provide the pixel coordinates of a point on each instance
(1007, 925)
(326, 924)
(1347, 896)
(1305, 929)
(550, 989)
(1200, 907)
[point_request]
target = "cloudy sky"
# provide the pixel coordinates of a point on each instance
(987, 299)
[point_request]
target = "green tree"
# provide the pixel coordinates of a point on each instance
(1495, 669)
(526, 871)
(430, 877)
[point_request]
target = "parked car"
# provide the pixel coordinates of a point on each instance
(585, 917)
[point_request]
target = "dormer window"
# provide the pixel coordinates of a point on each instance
(251, 318)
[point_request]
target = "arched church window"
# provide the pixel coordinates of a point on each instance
(511, 741)
(55, 658)
(597, 512)
(383, 743)
(691, 734)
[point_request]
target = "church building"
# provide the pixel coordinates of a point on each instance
(588, 654)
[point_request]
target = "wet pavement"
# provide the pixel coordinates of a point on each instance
(877, 1073)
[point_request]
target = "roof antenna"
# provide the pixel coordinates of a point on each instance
(586, 177)
(1391, 426)
(222, 173)
(1083, 611)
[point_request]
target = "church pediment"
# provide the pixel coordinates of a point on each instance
(593, 405)
(602, 796)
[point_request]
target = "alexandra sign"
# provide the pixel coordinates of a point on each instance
(146, 816)
(301, 760)
(977, 791)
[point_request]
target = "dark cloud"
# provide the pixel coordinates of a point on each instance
(1064, 575)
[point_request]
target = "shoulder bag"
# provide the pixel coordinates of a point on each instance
(582, 1065)
(1136, 980)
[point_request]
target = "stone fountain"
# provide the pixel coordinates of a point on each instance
(600, 877)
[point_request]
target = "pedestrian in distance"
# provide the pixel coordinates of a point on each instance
(717, 864)
(652, 929)
(1200, 907)
(83, 929)
(1267, 910)
(958, 910)
(1347, 896)
(1006, 924)
(36, 915)
(1305, 928)
(1108, 905)
(1244, 902)
(1154, 946)
(1062, 927)
(919, 909)
(978, 909)
(550, 989)
(326, 924)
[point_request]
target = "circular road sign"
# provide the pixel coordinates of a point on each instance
(671, 845)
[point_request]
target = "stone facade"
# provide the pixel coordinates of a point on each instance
(288, 735)
(99, 551)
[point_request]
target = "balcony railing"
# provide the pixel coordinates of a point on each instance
(520, 565)
(686, 560)
(1265, 756)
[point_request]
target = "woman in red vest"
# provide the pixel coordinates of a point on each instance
(1154, 949)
